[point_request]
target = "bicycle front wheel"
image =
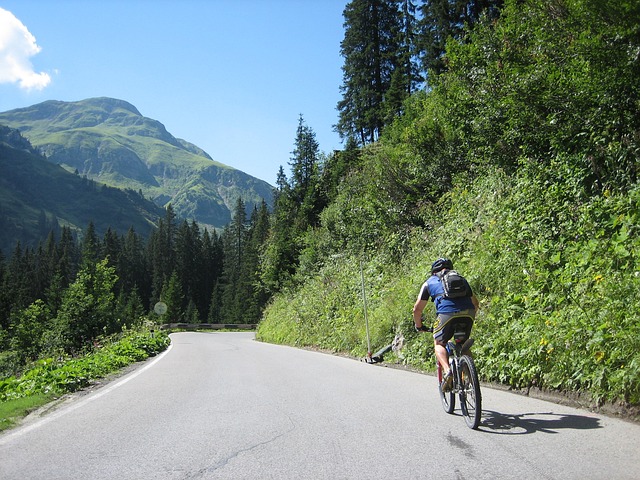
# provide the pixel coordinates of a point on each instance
(470, 396)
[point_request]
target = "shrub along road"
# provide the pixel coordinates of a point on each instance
(221, 405)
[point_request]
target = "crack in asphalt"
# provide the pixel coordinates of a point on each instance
(223, 462)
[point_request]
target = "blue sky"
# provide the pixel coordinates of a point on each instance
(231, 76)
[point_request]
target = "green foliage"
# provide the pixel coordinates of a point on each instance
(555, 283)
(377, 72)
(88, 306)
(557, 77)
(558, 280)
(28, 330)
(298, 203)
(58, 376)
(444, 20)
(521, 164)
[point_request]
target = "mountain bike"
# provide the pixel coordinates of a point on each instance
(465, 376)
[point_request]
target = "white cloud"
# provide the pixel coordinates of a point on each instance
(17, 45)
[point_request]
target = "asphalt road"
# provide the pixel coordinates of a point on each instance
(223, 406)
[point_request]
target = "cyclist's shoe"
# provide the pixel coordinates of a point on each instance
(447, 382)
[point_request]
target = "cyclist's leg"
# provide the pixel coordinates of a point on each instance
(442, 356)
(442, 333)
(471, 314)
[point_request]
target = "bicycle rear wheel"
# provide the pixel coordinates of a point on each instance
(448, 399)
(470, 396)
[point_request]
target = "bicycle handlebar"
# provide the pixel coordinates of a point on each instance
(423, 328)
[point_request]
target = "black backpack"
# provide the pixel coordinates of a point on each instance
(454, 284)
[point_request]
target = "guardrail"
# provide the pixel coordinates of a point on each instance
(208, 326)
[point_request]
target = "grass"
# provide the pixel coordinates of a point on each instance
(13, 411)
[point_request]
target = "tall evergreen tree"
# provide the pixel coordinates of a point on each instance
(297, 206)
(161, 252)
(211, 262)
(111, 246)
(172, 296)
(257, 236)
(69, 256)
(5, 306)
(305, 174)
(279, 259)
(372, 50)
(215, 305)
(445, 19)
(88, 307)
(19, 278)
(91, 249)
(188, 262)
(235, 290)
(133, 270)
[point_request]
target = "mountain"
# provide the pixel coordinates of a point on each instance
(37, 196)
(109, 141)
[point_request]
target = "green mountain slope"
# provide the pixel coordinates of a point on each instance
(109, 141)
(37, 196)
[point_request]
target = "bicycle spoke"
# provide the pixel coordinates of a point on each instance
(470, 397)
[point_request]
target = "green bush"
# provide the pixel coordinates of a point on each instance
(556, 271)
(51, 376)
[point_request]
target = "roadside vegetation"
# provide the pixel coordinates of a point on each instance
(50, 378)
(520, 162)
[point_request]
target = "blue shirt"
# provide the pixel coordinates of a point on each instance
(433, 289)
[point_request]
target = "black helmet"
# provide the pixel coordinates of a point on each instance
(440, 264)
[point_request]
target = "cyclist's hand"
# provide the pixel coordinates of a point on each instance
(421, 329)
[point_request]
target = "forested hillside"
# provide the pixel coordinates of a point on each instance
(109, 141)
(38, 197)
(519, 161)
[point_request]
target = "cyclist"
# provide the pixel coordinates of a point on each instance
(446, 309)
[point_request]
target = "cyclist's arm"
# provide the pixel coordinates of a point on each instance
(419, 306)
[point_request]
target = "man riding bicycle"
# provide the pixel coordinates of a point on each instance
(447, 309)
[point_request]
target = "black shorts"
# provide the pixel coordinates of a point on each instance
(447, 324)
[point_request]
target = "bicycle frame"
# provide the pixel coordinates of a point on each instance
(465, 378)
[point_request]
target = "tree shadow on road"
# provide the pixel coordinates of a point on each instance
(524, 423)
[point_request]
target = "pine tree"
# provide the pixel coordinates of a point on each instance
(188, 262)
(161, 252)
(211, 261)
(172, 296)
(372, 51)
(91, 251)
(278, 262)
(445, 19)
(5, 295)
(69, 256)
(215, 305)
(305, 174)
(88, 307)
(257, 236)
(133, 269)
(234, 292)
(405, 75)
